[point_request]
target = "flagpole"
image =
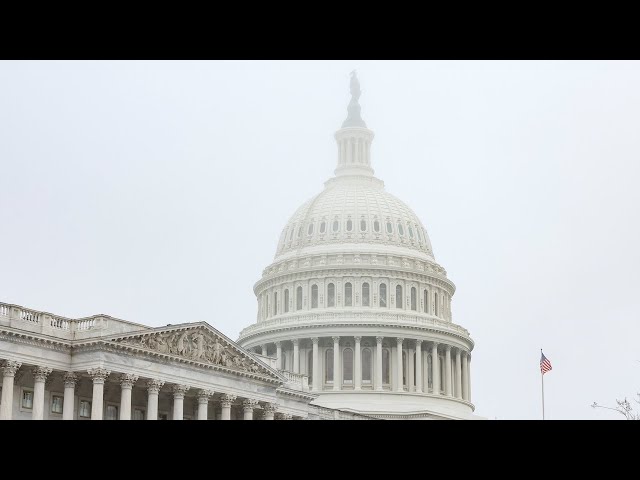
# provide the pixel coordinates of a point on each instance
(542, 377)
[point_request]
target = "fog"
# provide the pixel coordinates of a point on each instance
(156, 192)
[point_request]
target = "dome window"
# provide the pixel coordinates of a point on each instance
(363, 225)
(376, 226)
(419, 235)
(410, 232)
(400, 229)
(291, 234)
(310, 229)
(299, 231)
(389, 227)
(323, 226)
(336, 225)
(349, 225)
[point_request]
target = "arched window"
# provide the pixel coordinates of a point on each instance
(404, 368)
(331, 295)
(400, 229)
(328, 361)
(268, 304)
(314, 296)
(429, 373)
(410, 232)
(435, 304)
(419, 235)
(348, 295)
(291, 233)
(347, 365)
(275, 303)
(299, 298)
(414, 298)
(385, 366)
(389, 227)
(376, 226)
(310, 366)
(426, 301)
(365, 295)
(310, 229)
(363, 225)
(366, 365)
(398, 296)
(283, 361)
(286, 300)
(349, 225)
(323, 226)
(383, 295)
(299, 231)
(414, 369)
(336, 225)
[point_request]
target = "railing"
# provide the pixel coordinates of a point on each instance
(43, 320)
(61, 323)
(85, 324)
(4, 310)
(30, 316)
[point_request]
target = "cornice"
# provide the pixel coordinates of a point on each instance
(296, 393)
(29, 338)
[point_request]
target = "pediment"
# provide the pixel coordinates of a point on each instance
(199, 343)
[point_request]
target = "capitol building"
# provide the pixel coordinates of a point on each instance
(354, 321)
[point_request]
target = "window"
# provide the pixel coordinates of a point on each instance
(385, 365)
(398, 296)
(435, 304)
(365, 295)
(414, 298)
(299, 298)
(410, 232)
(286, 300)
(310, 229)
(310, 366)
(111, 413)
(138, 414)
(163, 416)
(275, 303)
(299, 231)
(426, 301)
(363, 225)
(314, 296)
(383, 295)
(27, 399)
(389, 227)
(268, 304)
(404, 368)
(331, 295)
(419, 235)
(84, 410)
(349, 225)
(56, 403)
(400, 229)
(291, 233)
(348, 295)
(283, 361)
(414, 369)
(347, 365)
(323, 227)
(366, 365)
(336, 225)
(376, 226)
(328, 361)
(429, 373)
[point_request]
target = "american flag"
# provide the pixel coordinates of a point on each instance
(545, 364)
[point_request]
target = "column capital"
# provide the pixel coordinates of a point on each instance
(278, 344)
(10, 368)
(204, 395)
(127, 380)
(468, 355)
(399, 340)
(464, 352)
(41, 373)
(249, 404)
(315, 340)
(98, 375)
(336, 339)
(448, 347)
(179, 390)
(295, 341)
(379, 339)
(154, 385)
(434, 345)
(357, 339)
(285, 416)
(227, 399)
(70, 380)
(419, 343)
(270, 408)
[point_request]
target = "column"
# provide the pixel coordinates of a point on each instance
(379, 363)
(296, 355)
(178, 401)
(336, 363)
(70, 380)
(468, 376)
(153, 391)
(418, 366)
(458, 374)
(264, 350)
(98, 375)
(435, 366)
(225, 401)
(357, 367)
(40, 375)
(399, 383)
(9, 372)
(448, 385)
(127, 380)
(268, 411)
(317, 374)
(247, 406)
(203, 403)
(278, 355)
(465, 377)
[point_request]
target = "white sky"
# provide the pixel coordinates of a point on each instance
(156, 192)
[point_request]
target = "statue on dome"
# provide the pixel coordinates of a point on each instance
(353, 110)
(354, 85)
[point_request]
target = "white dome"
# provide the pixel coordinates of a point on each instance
(354, 211)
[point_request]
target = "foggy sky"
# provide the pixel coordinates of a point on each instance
(156, 192)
